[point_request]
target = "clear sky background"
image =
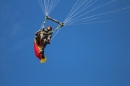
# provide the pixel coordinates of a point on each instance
(96, 54)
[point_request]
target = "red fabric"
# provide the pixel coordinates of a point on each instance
(37, 50)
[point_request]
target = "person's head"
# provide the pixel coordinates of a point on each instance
(49, 28)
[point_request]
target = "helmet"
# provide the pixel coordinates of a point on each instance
(49, 28)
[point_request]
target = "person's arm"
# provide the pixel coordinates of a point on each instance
(37, 32)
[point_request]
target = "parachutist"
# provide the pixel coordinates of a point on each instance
(42, 38)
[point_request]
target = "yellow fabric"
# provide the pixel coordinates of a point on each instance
(43, 60)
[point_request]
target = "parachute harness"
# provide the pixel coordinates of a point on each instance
(60, 24)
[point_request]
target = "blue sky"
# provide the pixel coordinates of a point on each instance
(96, 54)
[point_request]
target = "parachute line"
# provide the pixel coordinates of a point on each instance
(90, 22)
(40, 2)
(77, 16)
(76, 12)
(92, 9)
(48, 5)
(55, 34)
